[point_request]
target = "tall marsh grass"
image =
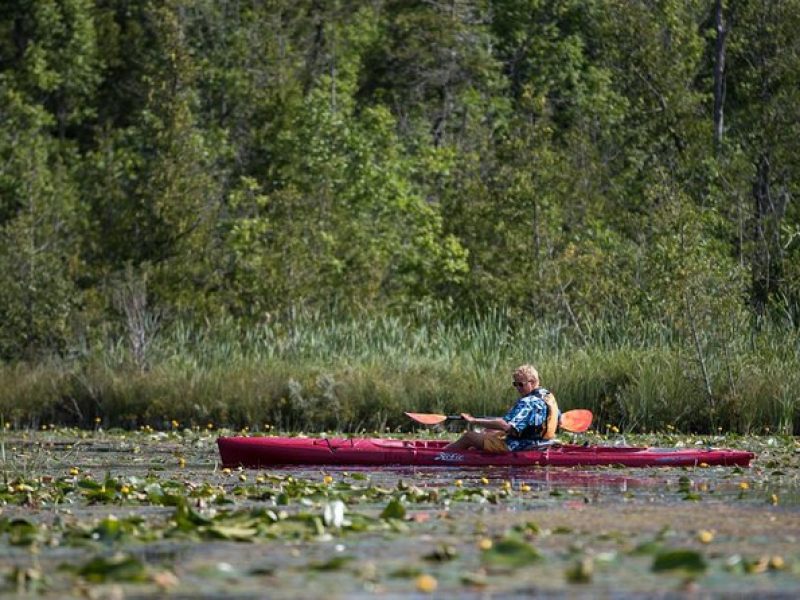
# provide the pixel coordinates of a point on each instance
(361, 374)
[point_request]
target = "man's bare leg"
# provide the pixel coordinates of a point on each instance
(471, 439)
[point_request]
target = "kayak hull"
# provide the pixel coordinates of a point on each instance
(255, 452)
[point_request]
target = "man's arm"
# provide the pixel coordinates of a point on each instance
(498, 423)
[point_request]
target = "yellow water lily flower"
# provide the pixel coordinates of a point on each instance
(705, 536)
(427, 583)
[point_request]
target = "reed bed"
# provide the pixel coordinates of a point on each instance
(361, 373)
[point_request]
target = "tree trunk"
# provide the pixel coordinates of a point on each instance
(762, 259)
(719, 73)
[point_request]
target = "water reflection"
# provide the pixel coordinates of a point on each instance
(597, 484)
(539, 479)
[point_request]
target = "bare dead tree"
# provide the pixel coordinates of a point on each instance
(141, 322)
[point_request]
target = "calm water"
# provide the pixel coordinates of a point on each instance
(743, 523)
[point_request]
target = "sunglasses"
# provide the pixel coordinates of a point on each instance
(518, 384)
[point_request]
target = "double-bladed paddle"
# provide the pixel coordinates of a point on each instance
(575, 421)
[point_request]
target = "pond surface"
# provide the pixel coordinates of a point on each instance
(144, 514)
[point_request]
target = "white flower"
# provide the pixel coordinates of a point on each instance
(333, 514)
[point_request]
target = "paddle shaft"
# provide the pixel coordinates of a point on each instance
(576, 420)
(561, 425)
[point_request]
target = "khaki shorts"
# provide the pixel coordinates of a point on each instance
(494, 442)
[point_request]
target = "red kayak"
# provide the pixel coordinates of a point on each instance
(270, 451)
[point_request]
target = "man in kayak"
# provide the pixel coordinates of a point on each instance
(531, 420)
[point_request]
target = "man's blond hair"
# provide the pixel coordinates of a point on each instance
(527, 373)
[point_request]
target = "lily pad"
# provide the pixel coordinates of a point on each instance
(335, 563)
(394, 510)
(511, 552)
(580, 572)
(442, 553)
(120, 567)
(686, 560)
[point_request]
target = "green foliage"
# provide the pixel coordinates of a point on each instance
(38, 233)
(344, 218)
(250, 161)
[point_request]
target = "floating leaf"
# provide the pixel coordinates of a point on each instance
(443, 552)
(22, 532)
(475, 579)
(529, 528)
(511, 552)
(188, 519)
(220, 570)
(649, 547)
(89, 484)
(406, 572)
(335, 563)
(231, 532)
(121, 567)
(561, 530)
(687, 560)
(112, 529)
(394, 510)
(581, 572)
(756, 566)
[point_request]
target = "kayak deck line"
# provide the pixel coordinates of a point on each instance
(255, 452)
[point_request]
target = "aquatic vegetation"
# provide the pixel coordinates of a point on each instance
(361, 374)
(116, 508)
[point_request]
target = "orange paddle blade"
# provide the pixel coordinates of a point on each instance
(427, 418)
(576, 421)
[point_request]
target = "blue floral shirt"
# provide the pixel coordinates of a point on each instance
(527, 417)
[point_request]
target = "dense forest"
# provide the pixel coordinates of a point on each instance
(583, 162)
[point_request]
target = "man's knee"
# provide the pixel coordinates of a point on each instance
(475, 438)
